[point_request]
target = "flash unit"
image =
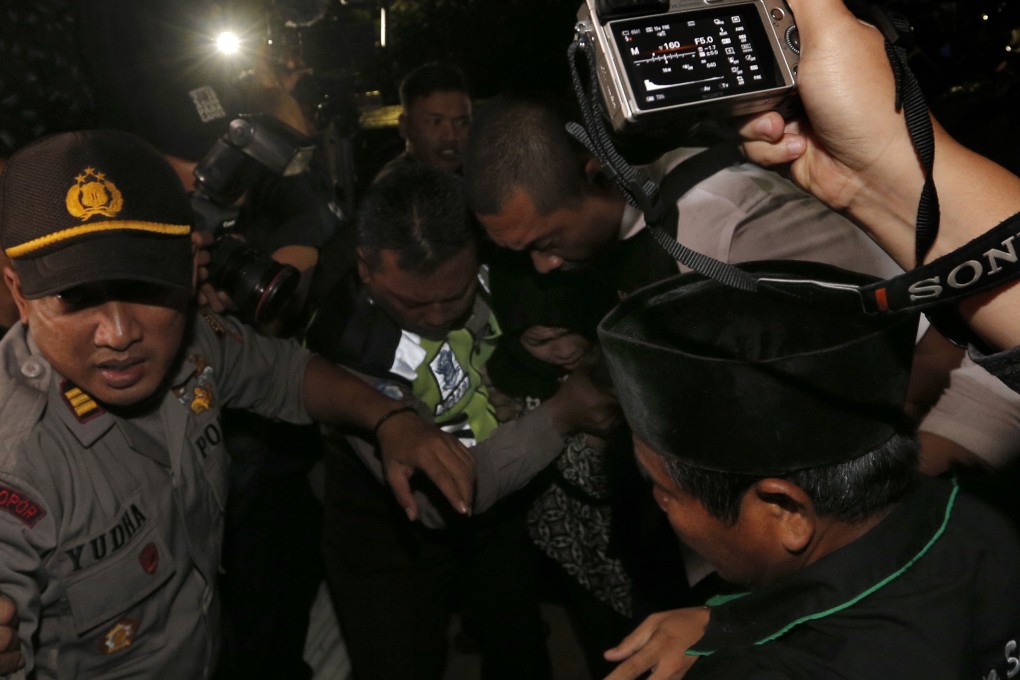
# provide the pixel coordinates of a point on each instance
(227, 42)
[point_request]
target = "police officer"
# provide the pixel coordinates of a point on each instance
(112, 464)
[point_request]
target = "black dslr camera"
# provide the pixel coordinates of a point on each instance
(662, 61)
(257, 284)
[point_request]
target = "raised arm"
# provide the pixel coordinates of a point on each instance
(853, 152)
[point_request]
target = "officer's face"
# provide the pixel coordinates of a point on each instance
(736, 552)
(430, 305)
(570, 237)
(435, 128)
(115, 340)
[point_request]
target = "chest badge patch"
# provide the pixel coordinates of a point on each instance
(199, 398)
(119, 637)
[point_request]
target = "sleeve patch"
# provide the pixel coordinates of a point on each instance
(21, 506)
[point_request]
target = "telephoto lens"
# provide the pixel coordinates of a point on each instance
(260, 286)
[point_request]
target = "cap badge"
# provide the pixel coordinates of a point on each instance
(93, 194)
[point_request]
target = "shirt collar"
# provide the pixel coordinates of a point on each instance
(838, 580)
(83, 416)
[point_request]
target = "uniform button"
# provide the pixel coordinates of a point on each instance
(31, 368)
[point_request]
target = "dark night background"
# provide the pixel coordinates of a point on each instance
(962, 58)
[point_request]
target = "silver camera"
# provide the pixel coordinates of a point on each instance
(660, 61)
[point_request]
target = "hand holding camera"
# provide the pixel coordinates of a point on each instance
(240, 279)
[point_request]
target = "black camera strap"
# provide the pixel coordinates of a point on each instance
(984, 263)
(910, 99)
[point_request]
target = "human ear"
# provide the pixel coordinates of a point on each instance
(402, 124)
(595, 175)
(789, 510)
(14, 285)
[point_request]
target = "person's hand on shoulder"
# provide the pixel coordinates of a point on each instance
(659, 645)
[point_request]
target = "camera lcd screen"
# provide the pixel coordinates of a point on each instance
(686, 57)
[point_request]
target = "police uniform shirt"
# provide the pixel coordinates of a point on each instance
(1003, 365)
(745, 212)
(110, 530)
(930, 592)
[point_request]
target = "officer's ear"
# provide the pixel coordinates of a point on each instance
(14, 285)
(787, 512)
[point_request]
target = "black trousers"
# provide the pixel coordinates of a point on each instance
(271, 558)
(395, 584)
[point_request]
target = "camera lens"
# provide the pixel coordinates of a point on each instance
(260, 286)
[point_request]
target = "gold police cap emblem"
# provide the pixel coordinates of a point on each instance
(93, 194)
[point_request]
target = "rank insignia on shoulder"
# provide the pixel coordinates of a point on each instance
(220, 325)
(119, 637)
(215, 323)
(81, 403)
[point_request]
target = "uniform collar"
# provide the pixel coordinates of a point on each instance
(83, 416)
(838, 580)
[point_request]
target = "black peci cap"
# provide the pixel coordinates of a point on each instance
(759, 383)
(89, 206)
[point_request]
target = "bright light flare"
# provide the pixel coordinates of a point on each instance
(227, 42)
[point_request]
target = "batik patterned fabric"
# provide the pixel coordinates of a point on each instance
(571, 523)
